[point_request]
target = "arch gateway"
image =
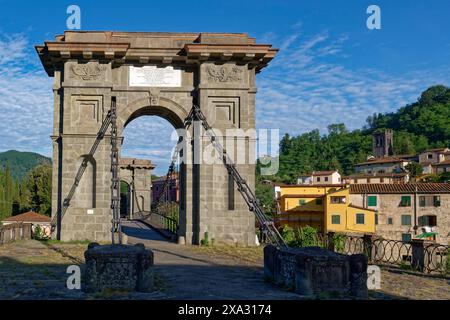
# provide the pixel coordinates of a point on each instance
(159, 74)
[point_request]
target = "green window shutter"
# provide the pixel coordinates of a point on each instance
(421, 201)
(406, 220)
(406, 201)
(390, 221)
(335, 219)
(372, 201)
(437, 201)
(376, 218)
(406, 237)
(360, 218)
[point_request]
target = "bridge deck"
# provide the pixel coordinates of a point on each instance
(192, 275)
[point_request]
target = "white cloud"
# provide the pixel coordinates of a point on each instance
(308, 86)
(26, 99)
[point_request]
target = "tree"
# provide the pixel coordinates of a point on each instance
(414, 168)
(39, 185)
(266, 196)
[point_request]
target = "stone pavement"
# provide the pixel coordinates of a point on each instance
(189, 274)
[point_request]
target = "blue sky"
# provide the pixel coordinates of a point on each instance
(330, 67)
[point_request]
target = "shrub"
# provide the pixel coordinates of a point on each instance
(205, 240)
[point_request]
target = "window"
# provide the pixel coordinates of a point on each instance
(302, 202)
(429, 221)
(376, 218)
(335, 219)
(318, 179)
(337, 200)
(372, 201)
(422, 201)
(406, 237)
(437, 201)
(360, 218)
(406, 201)
(390, 221)
(430, 156)
(319, 201)
(326, 178)
(406, 220)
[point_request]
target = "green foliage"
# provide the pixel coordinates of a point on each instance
(418, 126)
(428, 118)
(302, 237)
(265, 194)
(414, 168)
(39, 187)
(308, 237)
(21, 163)
(339, 242)
(205, 241)
(289, 236)
(39, 233)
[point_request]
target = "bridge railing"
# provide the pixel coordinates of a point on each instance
(160, 221)
(15, 231)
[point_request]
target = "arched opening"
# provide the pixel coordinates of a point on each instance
(87, 188)
(125, 200)
(149, 134)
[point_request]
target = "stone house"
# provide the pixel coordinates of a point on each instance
(173, 188)
(33, 218)
(325, 207)
(382, 165)
(435, 160)
(376, 178)
(320, 178)
(405, 211)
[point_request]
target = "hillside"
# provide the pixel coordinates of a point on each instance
(418, 126)
(20, 163)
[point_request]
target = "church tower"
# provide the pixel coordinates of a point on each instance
(383, 143)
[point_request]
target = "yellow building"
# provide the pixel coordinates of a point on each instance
(324, 207)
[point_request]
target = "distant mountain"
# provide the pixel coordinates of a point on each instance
(20, 163)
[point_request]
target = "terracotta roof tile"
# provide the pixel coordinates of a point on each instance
(323, 173)
(30, 216)
(400, 188)
(383, 160)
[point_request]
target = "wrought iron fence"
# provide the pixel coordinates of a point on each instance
(415, 255)
(420, 256)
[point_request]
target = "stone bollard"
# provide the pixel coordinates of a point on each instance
(270, 256)
(118, 267)
(312, 270)
(358, 276)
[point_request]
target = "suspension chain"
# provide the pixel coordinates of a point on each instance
(115, 181)
(244, 189)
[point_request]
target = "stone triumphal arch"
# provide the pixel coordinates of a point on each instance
(159, 74)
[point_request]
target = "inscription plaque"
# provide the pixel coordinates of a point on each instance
(152, 76)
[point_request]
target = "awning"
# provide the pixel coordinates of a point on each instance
(426, 235)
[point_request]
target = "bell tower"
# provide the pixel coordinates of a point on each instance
(383, 143)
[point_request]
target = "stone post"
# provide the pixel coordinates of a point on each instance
(418, 254)
(330, 241)
(367, 246)
(358, 276)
